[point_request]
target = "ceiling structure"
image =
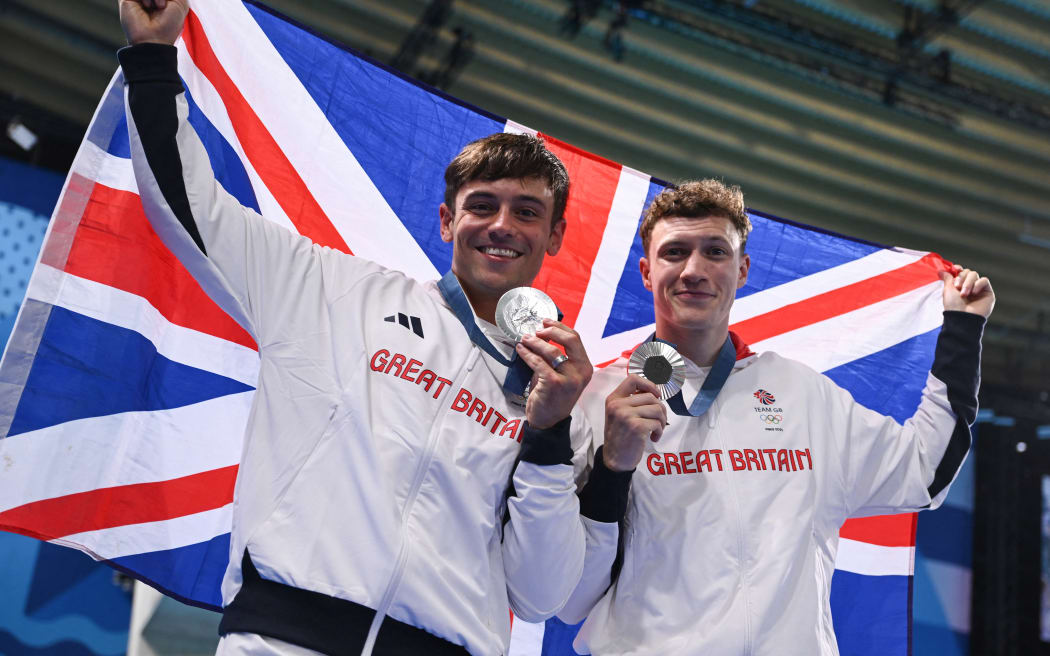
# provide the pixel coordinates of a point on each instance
(919, 123)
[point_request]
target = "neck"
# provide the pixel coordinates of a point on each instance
(484, 305)
(700, 346)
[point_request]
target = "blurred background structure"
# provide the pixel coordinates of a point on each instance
(919, 123)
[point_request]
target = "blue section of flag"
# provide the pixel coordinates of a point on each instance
(890, 381)
(405, 148)
(633, 303)
(192, 574)
(119, 144)
(870, 613)
(229, 170)
(88, 368)
(558, 637)
(782, 251)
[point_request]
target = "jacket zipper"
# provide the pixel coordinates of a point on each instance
(410, 500)
(741, 538)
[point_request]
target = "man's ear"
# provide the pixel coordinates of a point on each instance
(447, 218)
(557, 236)
(745, 266)
(643, 267)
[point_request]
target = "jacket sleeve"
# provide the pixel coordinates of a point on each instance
(603, 506)
(254, 269)
(543, 540)
(890, 468)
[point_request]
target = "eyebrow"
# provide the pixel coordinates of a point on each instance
(708, 239)
(520, 197)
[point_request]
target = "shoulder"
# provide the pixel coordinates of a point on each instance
(774, 362)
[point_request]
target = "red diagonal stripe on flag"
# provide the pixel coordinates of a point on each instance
(593, 183)
(115, 245)
(276, 172)
(842, 300)
(122, 505)
(884, 530)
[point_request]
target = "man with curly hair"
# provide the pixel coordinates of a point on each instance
(723, 539)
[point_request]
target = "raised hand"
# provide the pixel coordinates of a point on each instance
(153, 21)
(555, 389)
(634, 414)
(965, 291)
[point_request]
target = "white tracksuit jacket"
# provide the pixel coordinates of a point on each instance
(373, 486)
(731, 521)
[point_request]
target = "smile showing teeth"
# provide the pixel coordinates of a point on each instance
(500, 252)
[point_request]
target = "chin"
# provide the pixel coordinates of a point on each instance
(691, 322)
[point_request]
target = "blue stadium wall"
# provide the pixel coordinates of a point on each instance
(944, 572)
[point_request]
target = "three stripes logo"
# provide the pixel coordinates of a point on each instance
(410, 322)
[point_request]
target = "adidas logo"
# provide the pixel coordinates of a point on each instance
(412, 323)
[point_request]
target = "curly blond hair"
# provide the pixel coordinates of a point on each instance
(697, 199)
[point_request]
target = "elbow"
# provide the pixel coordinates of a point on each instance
(536, 610)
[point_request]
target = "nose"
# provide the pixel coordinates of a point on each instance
(502, 224)
(695, 269)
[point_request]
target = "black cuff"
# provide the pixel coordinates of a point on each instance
(965, 325)
(548, 446)
(957, 360)
(604, 497)
(150, 62)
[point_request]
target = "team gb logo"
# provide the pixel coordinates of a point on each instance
(765, 398)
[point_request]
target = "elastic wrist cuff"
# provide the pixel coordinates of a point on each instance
(604, 497)
(547, 446)
(965, 325)
(150, 62)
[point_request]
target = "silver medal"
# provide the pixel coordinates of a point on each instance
(521, 312)
(661, 364)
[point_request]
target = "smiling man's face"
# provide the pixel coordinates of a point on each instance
(500, 232)
(693, 267)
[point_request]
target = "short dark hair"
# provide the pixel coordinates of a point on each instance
(507, 155)
(697, 199)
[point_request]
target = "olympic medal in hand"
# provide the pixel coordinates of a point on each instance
(521, 311)
(661, 364)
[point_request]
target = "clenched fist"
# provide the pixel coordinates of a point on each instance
(965, 291)
(153, 21)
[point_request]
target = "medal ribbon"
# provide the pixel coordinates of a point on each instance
(716, 379)
(518, 373)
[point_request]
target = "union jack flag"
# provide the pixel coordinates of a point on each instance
(124, 390)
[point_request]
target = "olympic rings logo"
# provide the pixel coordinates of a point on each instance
(771, 419)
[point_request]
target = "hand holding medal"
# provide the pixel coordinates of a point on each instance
(529, 317)
(661, 364)
(656, 372)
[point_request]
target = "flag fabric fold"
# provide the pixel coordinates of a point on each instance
(124, 390)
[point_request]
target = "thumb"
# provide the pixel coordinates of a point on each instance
(949, 281)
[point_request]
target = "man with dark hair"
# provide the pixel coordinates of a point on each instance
(724, 540)
(397, 492)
